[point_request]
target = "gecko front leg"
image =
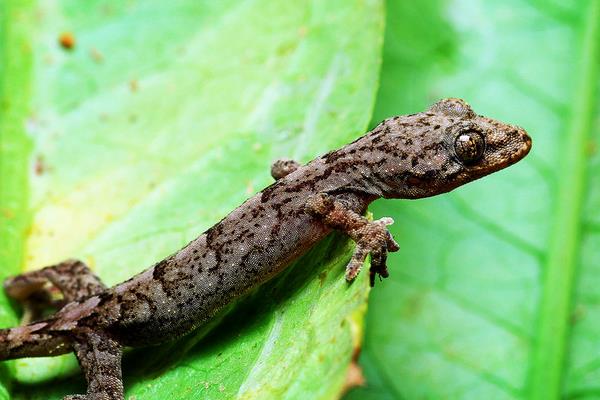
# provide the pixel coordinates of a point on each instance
(100, 359)
(283, 167)
(370, 236)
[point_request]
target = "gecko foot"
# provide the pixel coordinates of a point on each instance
(283, 167)
(373, 238)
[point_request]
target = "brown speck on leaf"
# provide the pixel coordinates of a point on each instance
(39, 167)
(96, 55)
(133, 85)
(66, 40)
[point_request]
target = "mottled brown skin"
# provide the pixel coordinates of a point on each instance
(408, 157)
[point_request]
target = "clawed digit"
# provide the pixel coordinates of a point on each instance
(356, 262)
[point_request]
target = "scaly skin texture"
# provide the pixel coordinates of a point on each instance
(409, 157)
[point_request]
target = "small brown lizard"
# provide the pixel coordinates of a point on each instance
(407, 157)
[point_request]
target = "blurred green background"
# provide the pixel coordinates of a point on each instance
(164, 116)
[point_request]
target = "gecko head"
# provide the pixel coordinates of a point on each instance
(456, 146)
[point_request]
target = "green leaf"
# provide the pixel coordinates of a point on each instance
(161, 119)
(494, 292)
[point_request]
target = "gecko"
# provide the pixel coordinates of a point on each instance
(404, 157)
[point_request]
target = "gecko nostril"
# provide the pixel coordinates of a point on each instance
(522, 133)
(526, 138)
(526, 147)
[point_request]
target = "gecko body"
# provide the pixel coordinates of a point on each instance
(410, 157)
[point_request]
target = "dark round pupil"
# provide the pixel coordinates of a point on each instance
(469, 147)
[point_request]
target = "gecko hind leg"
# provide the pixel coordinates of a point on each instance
(283, 167)
(100, 359)
(36, 289)
(34, 340)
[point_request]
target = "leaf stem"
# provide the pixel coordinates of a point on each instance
(558, 279)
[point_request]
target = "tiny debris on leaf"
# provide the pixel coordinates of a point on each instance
(96, 55)
(66, 40)
(39, 166)
(354, 378)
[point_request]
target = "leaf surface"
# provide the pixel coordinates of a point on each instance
(161, 119)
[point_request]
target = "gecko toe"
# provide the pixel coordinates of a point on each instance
(356, 262)
(392, 245)
(378, 265)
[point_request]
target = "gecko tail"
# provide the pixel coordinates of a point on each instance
(33, 340)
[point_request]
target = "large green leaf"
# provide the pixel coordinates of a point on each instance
(164, 117)
(494, 293)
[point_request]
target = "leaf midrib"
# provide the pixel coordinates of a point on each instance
(558, 276)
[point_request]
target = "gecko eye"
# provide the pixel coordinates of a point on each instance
(469, 146)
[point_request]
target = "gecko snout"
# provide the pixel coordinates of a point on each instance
(512, 144)
(525, 140)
